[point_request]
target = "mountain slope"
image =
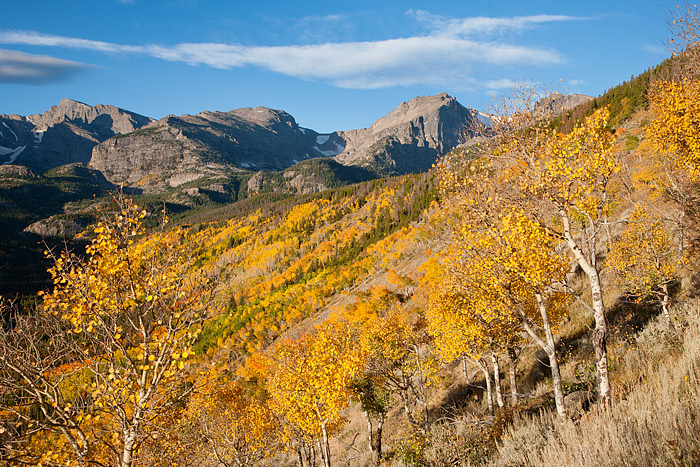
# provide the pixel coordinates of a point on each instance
(411, 137)
(64, 134)
(175, 150)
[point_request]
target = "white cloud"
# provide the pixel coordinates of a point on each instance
(446, 56)
(576, 82)
(19, 67)
(657, 49)
(36, 38)
(484, 25)
(504, 83)
(415, 60)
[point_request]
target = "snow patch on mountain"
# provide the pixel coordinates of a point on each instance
(15, 134)
(329, 153)
(13, 153)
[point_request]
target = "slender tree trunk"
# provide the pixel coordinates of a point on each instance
(300, 459)
(321, 453)
(378, 439)
(599, 338)
(128, 450)
(325, 448)
(513, 356)
(550, 349)
(465, 370)
(422, 399)
(370, 435)
(375, 439)
(489, 389)
(497, 380)
(664, 307)
(600, 343)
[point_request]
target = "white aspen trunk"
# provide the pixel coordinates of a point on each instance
(322, 453)
(497, 381)
(378, 439)
(549, 348)
(407, 410)
(370, 437)
(128, 450)
(325, 448)
(512, 371)
(465, 370)
(600, 342)
(489, 389)
(664, 307)
(599, 338)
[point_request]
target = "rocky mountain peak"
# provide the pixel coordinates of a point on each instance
(265, 116)
(65, 133)
(411, 137)
(106, 117)
(556, 103)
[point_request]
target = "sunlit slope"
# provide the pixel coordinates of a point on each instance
(287, 262)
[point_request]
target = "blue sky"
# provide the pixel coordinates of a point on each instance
(332, 65)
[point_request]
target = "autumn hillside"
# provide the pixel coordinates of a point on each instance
(532, 300)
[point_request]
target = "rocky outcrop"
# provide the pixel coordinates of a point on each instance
(556, 103)
(64, 134)
(16, 171)
(411, 137)
(80, 170)
(55, 226)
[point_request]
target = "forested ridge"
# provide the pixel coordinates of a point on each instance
(532, 300)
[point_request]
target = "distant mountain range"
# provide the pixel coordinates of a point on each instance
(137, 151)
(155, 156)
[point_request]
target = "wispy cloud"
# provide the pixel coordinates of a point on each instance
(504, 83)
(37, 38)
(23, 68)
(576, 82)
(481, 25)
(446, 55)
(657, 49)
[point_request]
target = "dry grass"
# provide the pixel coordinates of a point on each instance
(655, 421)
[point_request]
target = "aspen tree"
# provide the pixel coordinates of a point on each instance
(644, 260)
(566, 183)
(309, 380)
(229, 426)
(125, 319)
(501, 260)
(394, 344)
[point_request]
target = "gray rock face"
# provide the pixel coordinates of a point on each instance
(64, 134)
(56, 227)
(556, 103)
(411, 137)
(175, 150)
